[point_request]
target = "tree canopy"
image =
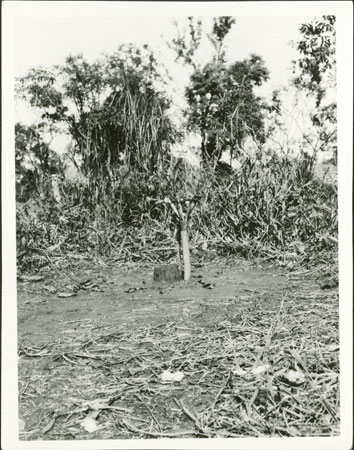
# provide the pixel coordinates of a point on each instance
(222, 104)
(112, 108)
(224, 107)
(315, 74)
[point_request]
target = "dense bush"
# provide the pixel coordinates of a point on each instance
(271, 207)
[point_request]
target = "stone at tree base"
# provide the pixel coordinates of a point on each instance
(167, 272)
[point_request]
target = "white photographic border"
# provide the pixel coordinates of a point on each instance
(343, 10)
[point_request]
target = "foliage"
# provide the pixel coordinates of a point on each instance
(116, 112)
(221, 27)
(224, 107)
(271, 204)
(113, 109)
(187, 42)
(317, 61)
(271, 207)
(35, 161)
(315, 72)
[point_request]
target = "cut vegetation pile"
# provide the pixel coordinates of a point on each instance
(230, 367)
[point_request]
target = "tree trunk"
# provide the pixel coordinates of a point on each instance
(56, 189)
(185, 250)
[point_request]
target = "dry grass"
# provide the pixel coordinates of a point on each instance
(276, 210)
(237, 365)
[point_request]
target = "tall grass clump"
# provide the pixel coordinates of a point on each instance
(273, 207)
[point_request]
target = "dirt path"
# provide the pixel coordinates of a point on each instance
(122, 297)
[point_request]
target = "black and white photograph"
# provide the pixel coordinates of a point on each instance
(177, 225)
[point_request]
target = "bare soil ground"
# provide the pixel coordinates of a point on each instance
(257, 350)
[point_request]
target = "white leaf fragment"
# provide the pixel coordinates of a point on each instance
(89, 424)
(255, 371)
(21, 424)
(168, 376)
(294, 376)
(260, 369)
(240, 372)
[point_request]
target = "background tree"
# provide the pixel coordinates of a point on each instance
(222, 104)
(315, 74)
(221, 27)
(113, 110)
(35, 161)
(224, 107)
(187, 42)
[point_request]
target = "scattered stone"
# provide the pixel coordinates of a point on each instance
(134, 289)
(168, 272)
(206, 285)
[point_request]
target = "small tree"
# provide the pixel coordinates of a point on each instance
(182, 206)
(179, 191)
(221, 97)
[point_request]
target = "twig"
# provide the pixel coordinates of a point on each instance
(152, 433)
(189, 415)
(150, 412)
(252, 400)
(69, 360)
(83, 355)
(50, 425)
(219, 394)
